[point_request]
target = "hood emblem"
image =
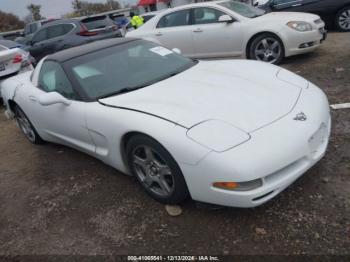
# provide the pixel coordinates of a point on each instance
(300, 117)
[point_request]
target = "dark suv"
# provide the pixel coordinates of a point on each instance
(333, 12)
(30, 29)
(68, 33)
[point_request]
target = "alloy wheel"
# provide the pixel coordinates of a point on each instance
(268, 50)
(153, 172)
(344, 20)
(25, 125)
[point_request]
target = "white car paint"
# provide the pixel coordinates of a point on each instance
(231, 39)
(217, 122)
(8, 66)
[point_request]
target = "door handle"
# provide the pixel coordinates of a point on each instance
(33, 98)
(159, 33)
(198, 30)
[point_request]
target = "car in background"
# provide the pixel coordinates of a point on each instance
(66, 33)
(11, 35)
(13, 60)
(230, 28)
(30, 29)
(12, 44)
(120, 20)
(101, 24)
(336, 13)
(146, 17)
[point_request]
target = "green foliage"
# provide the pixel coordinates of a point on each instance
(9, 22)
(83, 8)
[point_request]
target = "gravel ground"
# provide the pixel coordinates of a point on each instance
(55, 200)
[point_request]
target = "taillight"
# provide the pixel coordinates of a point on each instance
(85, 32)
(17, 59)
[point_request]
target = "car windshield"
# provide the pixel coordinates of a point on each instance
(243, 9)
(124, 68)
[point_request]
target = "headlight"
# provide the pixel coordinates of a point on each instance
(217, 135)
(300, 26)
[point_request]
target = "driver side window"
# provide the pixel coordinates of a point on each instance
(52, 78)
(40, 36)
(205, 15)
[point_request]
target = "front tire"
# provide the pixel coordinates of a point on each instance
(156, 170)
(26, 126)
(342, 19)
(267, 48)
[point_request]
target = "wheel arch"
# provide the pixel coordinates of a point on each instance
(12, 104)
(251, 39)
(123, 143)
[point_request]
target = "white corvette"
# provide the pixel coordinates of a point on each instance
(183, 127)
(229, 28)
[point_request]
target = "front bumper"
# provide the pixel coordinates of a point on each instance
(278, 154)
(303, 42)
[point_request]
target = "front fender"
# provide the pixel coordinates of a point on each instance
(108, 126)
(8, 90)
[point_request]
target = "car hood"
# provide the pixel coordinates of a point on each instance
(246, 94)
(286, 17)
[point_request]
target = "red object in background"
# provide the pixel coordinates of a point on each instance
(85, 32)
(17, 59)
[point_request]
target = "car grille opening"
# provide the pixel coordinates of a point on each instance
(306, 45)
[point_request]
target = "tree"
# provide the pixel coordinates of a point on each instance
(35, 11)
(9, 22)
(113, 5)
(83, 8)
(77, 6)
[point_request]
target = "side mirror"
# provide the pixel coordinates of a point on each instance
(176, 50)
(53, 98)
(226, 19)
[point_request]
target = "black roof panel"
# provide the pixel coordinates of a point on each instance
(74, 52)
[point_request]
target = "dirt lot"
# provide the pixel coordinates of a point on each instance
(55, 200)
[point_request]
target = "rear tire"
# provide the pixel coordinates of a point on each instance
(342, 19)
(26, 126)
(156, 170)
(267, 48)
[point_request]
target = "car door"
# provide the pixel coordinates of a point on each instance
(174, 30)
(212, 38)
(57, 122)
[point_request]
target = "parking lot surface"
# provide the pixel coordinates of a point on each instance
(55, 200)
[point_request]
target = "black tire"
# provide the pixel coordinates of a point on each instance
(135, 147)
(257, 42)
(342, 15)
(22, 118)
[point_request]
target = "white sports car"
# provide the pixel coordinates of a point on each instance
(229, 28)
(204, 129)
